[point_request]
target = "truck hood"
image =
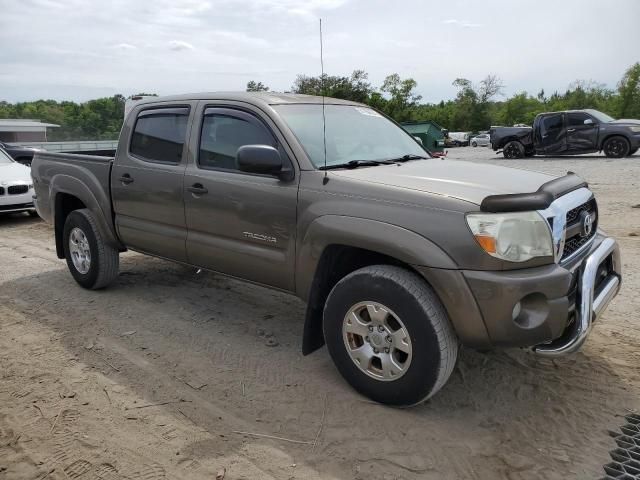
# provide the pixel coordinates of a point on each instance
(14, 172)
(467, 181)
(626, 121)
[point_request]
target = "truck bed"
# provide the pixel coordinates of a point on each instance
(68, 172)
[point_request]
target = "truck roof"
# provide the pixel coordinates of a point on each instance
(264, 98)
(580, 110)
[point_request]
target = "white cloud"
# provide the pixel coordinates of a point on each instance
(125, 46)
(177, 45)
(461, 23)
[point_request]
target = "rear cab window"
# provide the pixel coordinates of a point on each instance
(159, 135)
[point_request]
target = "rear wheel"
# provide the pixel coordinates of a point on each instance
(389, 335)
(513, 149)
(616, 147)
(93, 263)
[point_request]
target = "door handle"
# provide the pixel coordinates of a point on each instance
(571, 129)
(126, 178)
(197, 189)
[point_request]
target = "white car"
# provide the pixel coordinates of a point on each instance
(481, 140)
(16, 188)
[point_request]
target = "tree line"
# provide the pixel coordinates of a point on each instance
(476, 106)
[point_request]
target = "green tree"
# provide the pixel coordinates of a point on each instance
(355, 87)
(629, 93)
(253, 86)
(402, 102)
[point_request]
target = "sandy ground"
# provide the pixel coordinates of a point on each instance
(155, 376)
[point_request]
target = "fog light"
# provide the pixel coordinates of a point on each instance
(516, 311)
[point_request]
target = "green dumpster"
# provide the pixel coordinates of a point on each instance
(429, 132)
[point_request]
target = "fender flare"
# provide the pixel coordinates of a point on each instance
(74, 187)
(405, 246)
(381, 237)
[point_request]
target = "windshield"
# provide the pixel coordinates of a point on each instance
(601, 117)
(353, 133)
(5, 158)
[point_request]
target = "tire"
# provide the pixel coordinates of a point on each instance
(513, 149)
(33, 213)
(616, 147)
(103, 260)
(632, 152)
(410, 303)
(474, 144)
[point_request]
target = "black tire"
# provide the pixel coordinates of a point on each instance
(474, 144)
(513, 149)
(425, 320)
(616, 147)
(104, 259)
(632, 152)
(33, 214)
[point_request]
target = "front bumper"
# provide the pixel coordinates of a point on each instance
(16, 203)
(550, 308)
(599, 281)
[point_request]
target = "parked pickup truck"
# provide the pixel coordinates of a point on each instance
(399, 256)
(569, 133)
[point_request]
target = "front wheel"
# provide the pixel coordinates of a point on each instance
(474, 144)
(616, 147)
(389, 335)
(92, 262)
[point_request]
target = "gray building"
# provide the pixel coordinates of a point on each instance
(23, 130)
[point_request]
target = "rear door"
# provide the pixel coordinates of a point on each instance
(552, 139)
(581, 137)
(147, 182)
(238, 223)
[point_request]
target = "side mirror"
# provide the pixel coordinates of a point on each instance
(588, 121)
(261, 159)
(418, 139)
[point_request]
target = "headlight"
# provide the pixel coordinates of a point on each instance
(635, 129)
(516, 237)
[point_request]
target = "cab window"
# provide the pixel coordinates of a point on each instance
(577, 119)
(222, 136)
(159, 135)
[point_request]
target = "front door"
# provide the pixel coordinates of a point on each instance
(581, 136)
(147, 183)
(238, 223)
(552, 139)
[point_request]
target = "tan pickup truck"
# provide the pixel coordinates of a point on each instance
(399, 256)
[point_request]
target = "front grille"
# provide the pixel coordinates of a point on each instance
(576, 241)
(574, 244)
(574, 213)
(18, 189)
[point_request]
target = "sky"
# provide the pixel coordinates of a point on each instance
(83, 49)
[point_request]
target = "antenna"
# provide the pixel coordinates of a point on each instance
(324, 120)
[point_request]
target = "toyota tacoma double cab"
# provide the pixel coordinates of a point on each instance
(399, 256)
(572, 132)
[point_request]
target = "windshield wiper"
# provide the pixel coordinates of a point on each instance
(356, 164)
(406, 158)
